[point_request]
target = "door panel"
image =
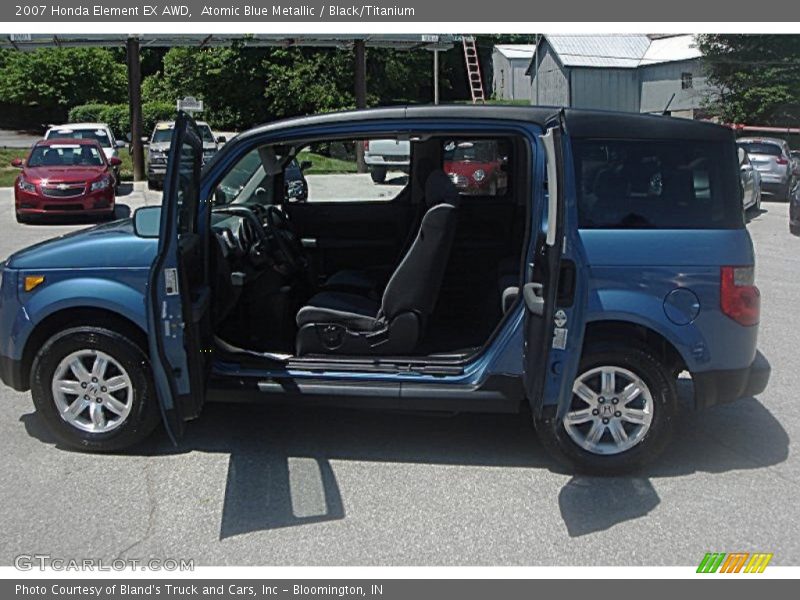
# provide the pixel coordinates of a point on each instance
(555, 295)
(178, 306)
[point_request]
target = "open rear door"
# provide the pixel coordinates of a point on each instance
(555, 294)
(178, 295)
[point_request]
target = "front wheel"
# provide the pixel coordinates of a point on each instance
(620, 414)
(94, 389)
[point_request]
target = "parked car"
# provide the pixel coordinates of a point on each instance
(627, 261)
(751, 182)
(158, 146)
(96, 131)
(65, 177)
(476, 167)
(771, 158)
(382, 156)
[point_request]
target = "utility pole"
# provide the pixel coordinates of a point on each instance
(135, 101)
(360, 55)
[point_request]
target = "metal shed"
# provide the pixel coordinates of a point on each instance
(634, 73)
(510, 62)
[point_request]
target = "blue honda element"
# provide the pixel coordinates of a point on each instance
(607, 257)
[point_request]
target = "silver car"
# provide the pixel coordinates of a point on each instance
(772, 159)
(751, 182)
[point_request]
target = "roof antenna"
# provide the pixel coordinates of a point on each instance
(665, 112)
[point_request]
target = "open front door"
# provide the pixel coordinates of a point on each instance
(178, 305)
(555, 294)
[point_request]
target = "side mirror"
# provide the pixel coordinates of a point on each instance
(18, 163)
(741, 153)
(147, 221)
(115, 161)
(145, 140)
(221, 139)
(119, 144)
(306, 164)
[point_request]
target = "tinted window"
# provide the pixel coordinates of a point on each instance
(761, 148)
(657, 184)
(187, 192)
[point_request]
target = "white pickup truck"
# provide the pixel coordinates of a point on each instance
(382, 156)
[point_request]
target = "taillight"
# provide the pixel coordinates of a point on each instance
(739, 297)
(781, 161)
(366, 145)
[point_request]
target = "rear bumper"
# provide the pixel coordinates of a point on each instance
(719, 387)
(11, 373)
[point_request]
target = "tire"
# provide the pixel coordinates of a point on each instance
(378, 174)
(660, 387)
(152, 184)
(21, 218)
(794, 228)
(141, 412)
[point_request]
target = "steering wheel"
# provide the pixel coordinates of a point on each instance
(289, 245)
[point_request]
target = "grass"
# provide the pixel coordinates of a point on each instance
(325, 165)
(8, 173)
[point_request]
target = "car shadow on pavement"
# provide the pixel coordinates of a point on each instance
(742, 435)
(280, 472)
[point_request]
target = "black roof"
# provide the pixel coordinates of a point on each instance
(581, 123)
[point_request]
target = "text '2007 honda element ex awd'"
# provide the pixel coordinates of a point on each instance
(611, 258)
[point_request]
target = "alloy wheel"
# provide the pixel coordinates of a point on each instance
(611, 410)
(92, 391)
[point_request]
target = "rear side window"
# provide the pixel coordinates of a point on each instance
(657, 184)
(761, 148)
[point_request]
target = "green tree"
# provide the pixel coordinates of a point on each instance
(756, 78)
(58, 78)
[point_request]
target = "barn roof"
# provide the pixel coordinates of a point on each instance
(627, 51)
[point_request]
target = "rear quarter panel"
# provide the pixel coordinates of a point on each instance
(632, 271)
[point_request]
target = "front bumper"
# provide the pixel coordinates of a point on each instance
(156, 172)
(97, 202)
(720, 387)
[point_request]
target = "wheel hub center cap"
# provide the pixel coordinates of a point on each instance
(606, 410)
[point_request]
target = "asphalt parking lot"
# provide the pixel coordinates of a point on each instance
(274, 486)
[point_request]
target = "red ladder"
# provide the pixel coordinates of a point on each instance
(473, 69)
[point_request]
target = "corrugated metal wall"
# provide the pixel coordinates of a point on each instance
(553, 85)
(509, 79)
(660, 81)
(609, 89)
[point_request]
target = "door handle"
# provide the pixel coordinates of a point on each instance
(533, 293)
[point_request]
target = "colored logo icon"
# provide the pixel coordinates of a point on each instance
(737, 562)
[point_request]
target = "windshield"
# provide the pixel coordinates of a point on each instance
(162, 136)
(205, 133)
(81, 134)
(470, 151)
(761, 148)
(66, 156)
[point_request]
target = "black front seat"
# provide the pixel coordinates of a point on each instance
(345, 323)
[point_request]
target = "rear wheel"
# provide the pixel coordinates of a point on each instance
(94, 389)
(378, 174)
(620, 415)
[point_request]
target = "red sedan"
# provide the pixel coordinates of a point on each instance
(476, 167)
(65, 177)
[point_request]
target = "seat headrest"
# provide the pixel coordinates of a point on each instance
(439, 189)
